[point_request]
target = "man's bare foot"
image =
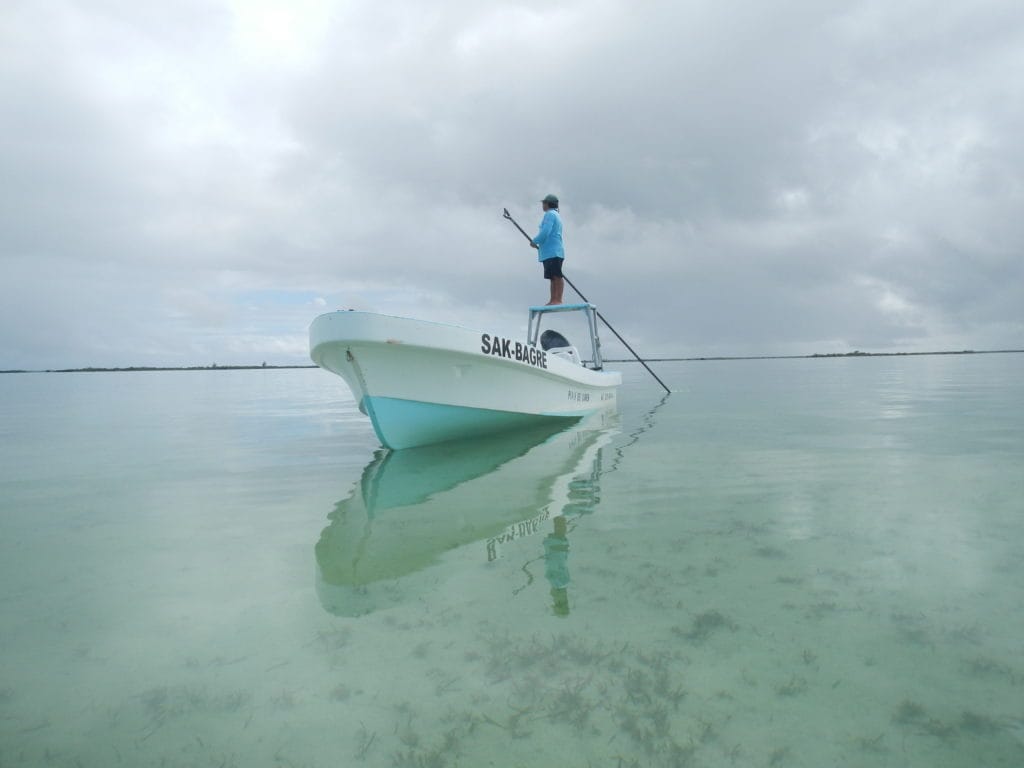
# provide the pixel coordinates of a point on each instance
(552, 304)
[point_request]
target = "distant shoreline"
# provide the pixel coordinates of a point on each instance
(822, 356)
(265, 367)
(143, 368)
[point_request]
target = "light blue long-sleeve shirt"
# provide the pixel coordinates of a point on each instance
(549, 238)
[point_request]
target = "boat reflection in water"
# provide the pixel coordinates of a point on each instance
(412, 506)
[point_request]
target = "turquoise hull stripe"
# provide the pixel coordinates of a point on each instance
(408, 423)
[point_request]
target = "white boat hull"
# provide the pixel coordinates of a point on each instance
(422, 382)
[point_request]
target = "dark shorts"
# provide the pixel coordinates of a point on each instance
(552, 268)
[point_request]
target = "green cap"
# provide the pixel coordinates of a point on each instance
(550, 200)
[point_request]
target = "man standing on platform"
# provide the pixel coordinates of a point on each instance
(550, 251)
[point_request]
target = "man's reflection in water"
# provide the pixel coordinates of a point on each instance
(583, 499)
(556, 566)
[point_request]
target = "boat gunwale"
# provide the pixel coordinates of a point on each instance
(570, 371)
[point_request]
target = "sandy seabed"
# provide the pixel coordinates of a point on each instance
(724, 638)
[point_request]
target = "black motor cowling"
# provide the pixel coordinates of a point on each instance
(553, 340)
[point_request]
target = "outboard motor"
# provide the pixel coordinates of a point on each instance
(557, 344)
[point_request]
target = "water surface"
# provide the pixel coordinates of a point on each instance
(785, 563)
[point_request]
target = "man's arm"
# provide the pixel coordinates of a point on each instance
(546, 225)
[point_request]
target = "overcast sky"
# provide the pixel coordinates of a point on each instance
(192, 182)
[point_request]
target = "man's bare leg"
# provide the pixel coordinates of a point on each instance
(557, 287)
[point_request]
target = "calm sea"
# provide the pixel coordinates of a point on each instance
(785, 563)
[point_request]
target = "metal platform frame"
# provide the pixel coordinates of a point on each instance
(588, 309)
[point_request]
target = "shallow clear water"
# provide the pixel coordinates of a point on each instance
(786, 563)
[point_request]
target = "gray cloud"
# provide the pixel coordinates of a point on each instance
(192, 183)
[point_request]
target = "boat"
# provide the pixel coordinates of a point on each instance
(424, 382)
(478, 500)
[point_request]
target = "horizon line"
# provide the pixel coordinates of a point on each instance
(813, 356)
